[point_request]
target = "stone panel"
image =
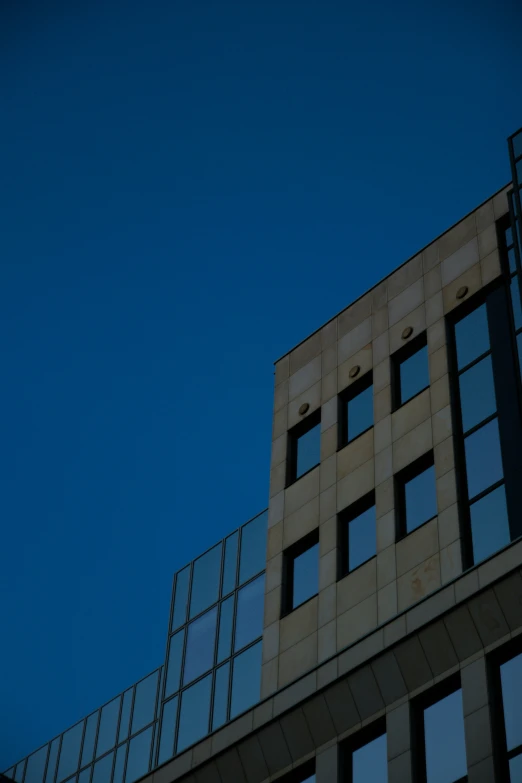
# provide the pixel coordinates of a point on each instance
(365, 691)
(413, 663)
(297, 734)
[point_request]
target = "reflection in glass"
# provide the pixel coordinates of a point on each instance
(414, 374)
(194, 715)
(103, 769)
(205, 581)
(306, 576)
(219, 716)
(36, 766)
(515, 302)
(362, 538)
(477, 393)
(138, 760)
(483, 458)
(119, 764)
(230, 568)
(360, 413)
(125, 716)
(70, 752)
(489, 524)
(168, 728)
(226, 619)
(253, 547)
(179, 614)
(201, 635)
(511, 678)
(108, 726)
(88, 740)
(421, 499)
(53, 758)
(174, 663)
(144, 702)
(246, 680)
(249, 614)
(444, 740)
(472, 336)
(308, 450)
(370, 763)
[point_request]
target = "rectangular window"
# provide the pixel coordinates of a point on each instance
(356, 410)
(440, 742)
(357, 534)
(364, 757)
(300, 572)
(507, 680)
(410, 370)
(304, 447)
(416, 495)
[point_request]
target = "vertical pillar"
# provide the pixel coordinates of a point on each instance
(477, 722)
(327, 765)
(398, 732)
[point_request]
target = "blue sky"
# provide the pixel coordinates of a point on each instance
(188, 190)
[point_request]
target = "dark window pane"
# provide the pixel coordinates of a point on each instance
(10, 772)
(414, 374)
(88, 741)
(103, 769)
(125, 715)
(246, 680)
(179, 615)
(511, 677)
(195, 708)
(229, 572)
(253, 547)
(108, 726)
(19, 771)
(515, 769)
(70, 751)
(138, 760)
(483, 458)
(85, 775)
(308, 450)
(168, 729)
(144, 702)
(306, 576)
(517, 144)
(53, 758)
(509, 236)
(472, 336)
(421, 499)
(174, 663)
(362, 540)
(519, 348)
(477, 393)
(489, 524)
(444, 738)
(360, 413)
(36, 766)
(370, 763)
(221, 696)
(225, 629)
(119, 764)
(201, 635)
(512, 260)
(515, 301)
(205, 581)
(249, 614)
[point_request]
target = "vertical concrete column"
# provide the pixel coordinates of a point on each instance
(327, 765)
(398, 732)
(477, 722)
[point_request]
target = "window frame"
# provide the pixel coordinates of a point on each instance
(405, 352)
(347, 747)
(344, 398)
(344, 517)
(296, 432)
(289, 556)
(501, 755)
(400, 480)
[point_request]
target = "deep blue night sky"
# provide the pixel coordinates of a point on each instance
(188, 190)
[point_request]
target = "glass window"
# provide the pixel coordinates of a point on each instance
(515, 768)
(53, 758)
(370, 762)
(138, 759)
(477, 393)
(308, 448)
(413, 375)
(19, 771)
(88, 740)
(512, 260)
(70, 751)
(179, 615)
(511, 679)
(489, 524)
(108, 725)
(246, 680)
(362, 538)
(483, 458)
(36, 766)
(103, 769)
(205, 581)
(445, 747)
(226, 619)
(119, 764)
(230, 568)
(420, 499)
(85, 775)
(358, 410)
(168, 729)
(472, 336)
(253, 547)
(302, 571)
(144, 702)
(219, 716)
(249, 614)
(201, 635)
(515, 303)
(194, 716)
(174, 663)
(125, 715)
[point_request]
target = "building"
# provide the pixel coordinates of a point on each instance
(381, 638)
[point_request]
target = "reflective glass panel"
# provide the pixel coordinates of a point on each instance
(306, 576)
(36, 766)
(144, 702)
(360, 413)
(249, 614)
(477, 393)
(362, 538)
(205, 581)
(370, 763)
(125, 715)
(168, 728)
(10, 772)
(19, 771)
(138, 760)
(179, 614)
(230, 568)
(108, 726)
(515, 769)
(512, 260)
(421, 499)
(225, 629)
(219, 716)
(489, 524)
(201, 635)
(119, 764)
(174, 664)
(444, 740)
(472, 336)
(246, 680)
(53, 758)
(88, 740)
(103, 769)
(515, 302)
(511, 678)
(483, 458)
(70, 752)
(253, 547)
(194, 716)
(308, 450)
(517, 144)
(414, 374)
(85, 775)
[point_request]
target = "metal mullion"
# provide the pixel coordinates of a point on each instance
(475, 361)
(215, 665)
(118, 722)
(124, 773)
(131, 714)
(514, 752)
(96, 733)
(47, 757)
(55, 778)
(481, 495)
(476, 427)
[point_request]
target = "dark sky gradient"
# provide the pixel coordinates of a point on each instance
(188, 190)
